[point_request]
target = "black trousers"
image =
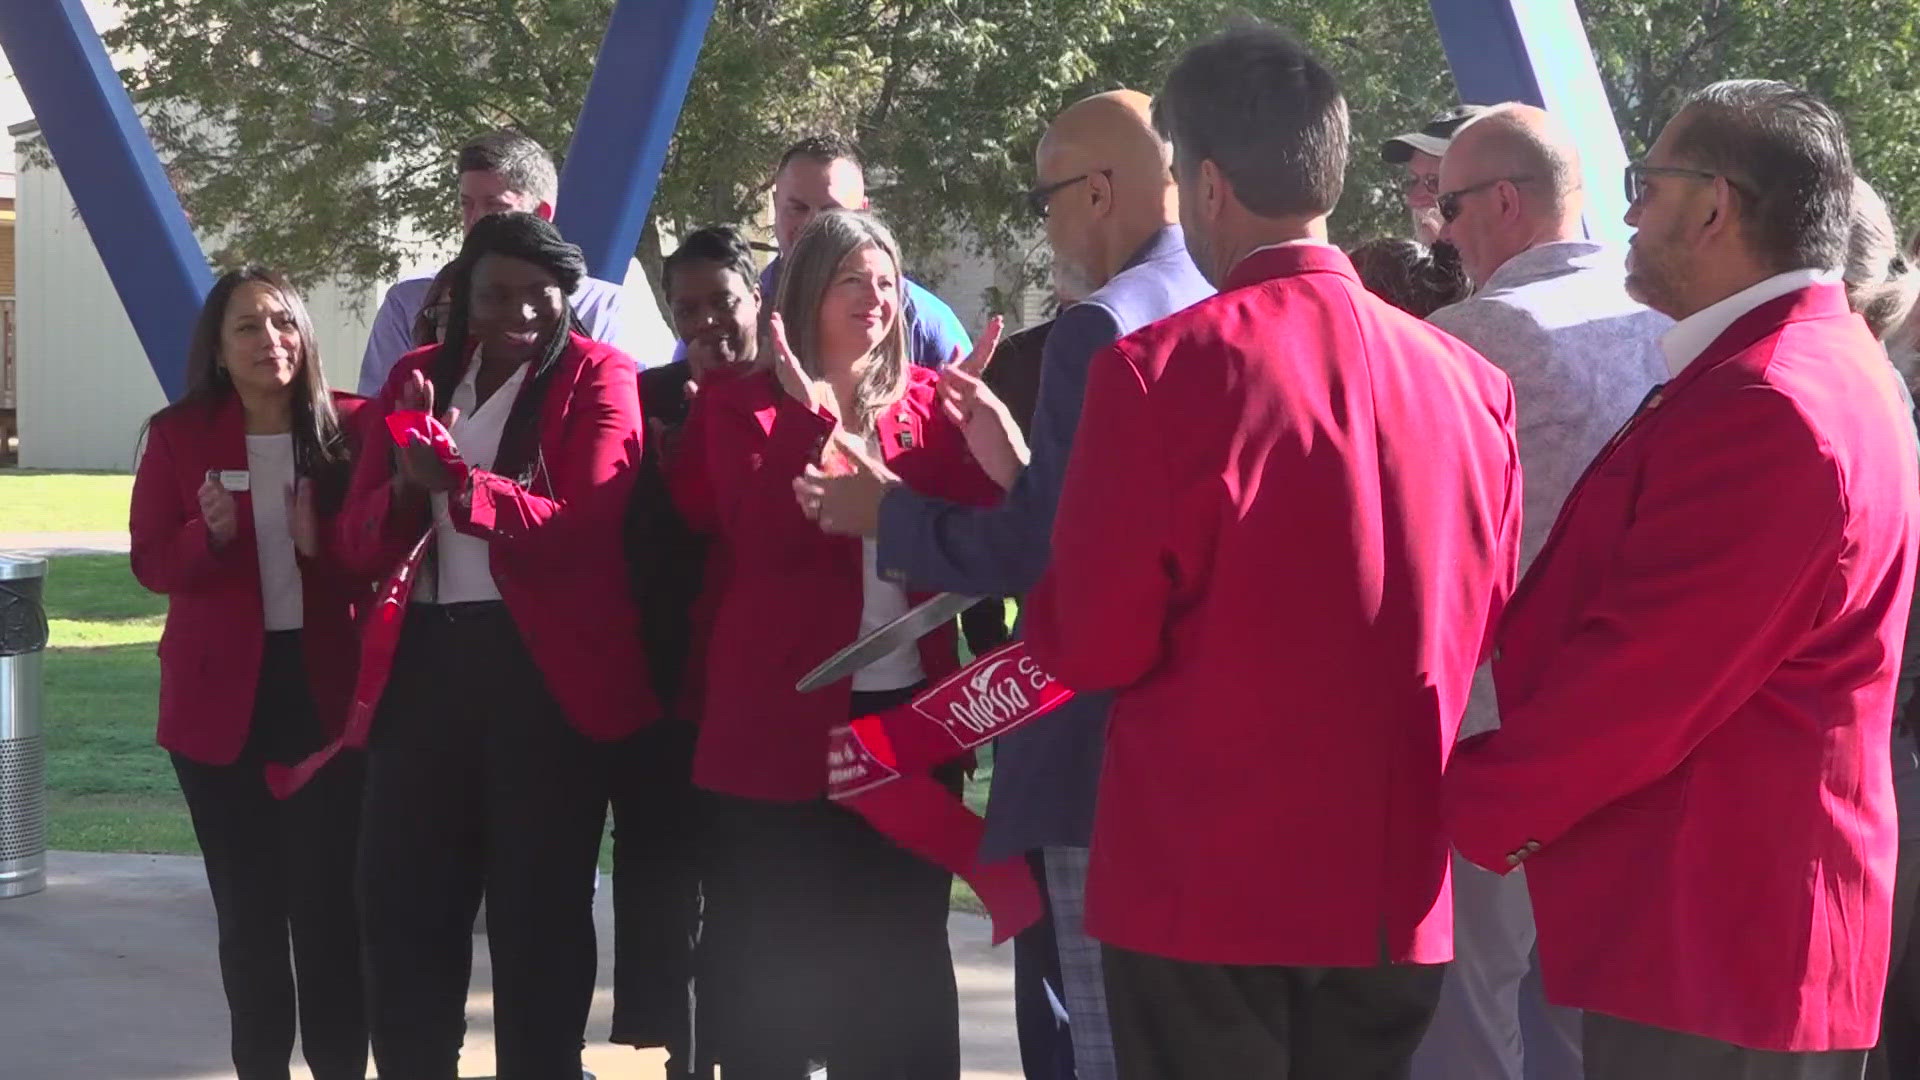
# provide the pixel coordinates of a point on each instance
(656, 898)
(824, 941)
(476, 783)
(1898, 1055)
(1616, 1049)
(1046, 1045)
(280, 873)
(1174, 1020)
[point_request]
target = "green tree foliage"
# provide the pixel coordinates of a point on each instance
(305, 133)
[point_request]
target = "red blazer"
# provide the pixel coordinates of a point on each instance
(1291, 515)
(782, 596)
(210, 650)
(1696, 681)
(556, 551)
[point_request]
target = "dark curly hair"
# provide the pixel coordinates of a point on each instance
(1417, 279)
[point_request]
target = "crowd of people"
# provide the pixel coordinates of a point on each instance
(1487, 650)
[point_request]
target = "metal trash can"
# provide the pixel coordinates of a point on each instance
(23, 747)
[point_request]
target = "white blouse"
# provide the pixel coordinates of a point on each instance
(270, 478)
(464, 573)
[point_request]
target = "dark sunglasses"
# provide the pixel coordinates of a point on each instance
(1039, 197)
(1637, 173)
(1449, 204)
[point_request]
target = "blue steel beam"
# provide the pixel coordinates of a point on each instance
(1536, 51)
(620, 143)
(118, 184)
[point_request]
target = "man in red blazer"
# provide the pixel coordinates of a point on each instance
(1290, 515)
(1696, 678)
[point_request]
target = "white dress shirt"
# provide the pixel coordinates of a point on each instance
(270, 480)
(464, 572)
(1690, 336)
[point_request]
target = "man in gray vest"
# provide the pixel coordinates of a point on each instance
(1551, 311)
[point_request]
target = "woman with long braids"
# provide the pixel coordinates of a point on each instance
(519, 662)
(822, 939)
(230, 521)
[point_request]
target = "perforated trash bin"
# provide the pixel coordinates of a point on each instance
(23, 747)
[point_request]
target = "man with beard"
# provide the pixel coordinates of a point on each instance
(1111, 212)
(1697, 677)
(1552, 311)
(1419, 154)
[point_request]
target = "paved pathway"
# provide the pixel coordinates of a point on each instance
(44, 544)
(110, 974)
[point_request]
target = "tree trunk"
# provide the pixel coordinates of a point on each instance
(651, 262)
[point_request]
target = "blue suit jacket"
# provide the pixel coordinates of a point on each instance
(1044, 775)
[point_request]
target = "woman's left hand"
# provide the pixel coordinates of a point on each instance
(421, 467)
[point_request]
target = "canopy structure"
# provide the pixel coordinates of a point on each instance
(1500, 50)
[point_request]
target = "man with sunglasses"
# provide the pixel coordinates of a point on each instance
(1552, 311)
(1419, 152)
(1111, 212)
(1696, 678)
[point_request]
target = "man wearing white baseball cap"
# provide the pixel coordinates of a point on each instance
(1420, 151)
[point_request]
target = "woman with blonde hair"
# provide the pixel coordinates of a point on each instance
(824, 940)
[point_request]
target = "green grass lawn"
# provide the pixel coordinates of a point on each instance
(109, 787)
(33, 501)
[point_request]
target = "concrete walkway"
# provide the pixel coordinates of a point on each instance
(110, 974)
(45, 544)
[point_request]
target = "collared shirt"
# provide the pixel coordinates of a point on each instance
(1304, 241)
(1581, 354)
(634, 326)
(464, 564)
(1690, 336)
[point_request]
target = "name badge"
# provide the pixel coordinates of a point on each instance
(234, 479)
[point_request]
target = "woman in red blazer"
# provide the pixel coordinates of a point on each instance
(520, 660)
(256, 661)
(824, 940)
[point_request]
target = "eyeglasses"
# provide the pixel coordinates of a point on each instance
(1039, 197)
(1637, 173)
(1449, 204)
(1427, 182)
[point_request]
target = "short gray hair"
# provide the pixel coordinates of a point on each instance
(1785, 152)
(1881, 284)
(1258, 105)
(522, 163)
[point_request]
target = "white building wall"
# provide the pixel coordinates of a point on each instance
(85, 384)
(966, 278)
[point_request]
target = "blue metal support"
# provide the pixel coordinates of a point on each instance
(117, 181)
(620, 144)
(1536, 51)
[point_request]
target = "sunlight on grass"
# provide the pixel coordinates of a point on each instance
(32, 501)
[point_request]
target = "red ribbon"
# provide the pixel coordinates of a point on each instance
(380, 630)
(879, 766)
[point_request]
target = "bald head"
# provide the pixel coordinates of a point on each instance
(1516, 140)
(1511, 181)
(1112, 187)
(1114, 129)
